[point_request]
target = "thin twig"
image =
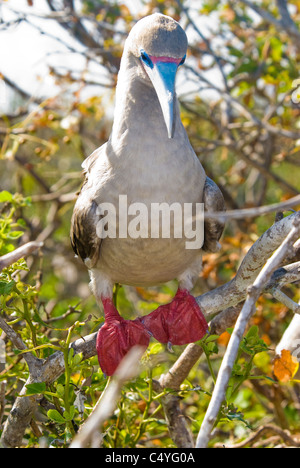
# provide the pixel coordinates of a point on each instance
(254, 212)
(2, 399)
(285, 300)
(264, 430)
(17, 342)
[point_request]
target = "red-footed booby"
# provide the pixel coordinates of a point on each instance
(147, 162)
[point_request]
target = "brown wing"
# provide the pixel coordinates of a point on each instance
(213, 229)
(84, 239)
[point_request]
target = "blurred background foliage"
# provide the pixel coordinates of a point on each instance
(240, 108)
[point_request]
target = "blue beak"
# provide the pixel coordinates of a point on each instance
(163, 75)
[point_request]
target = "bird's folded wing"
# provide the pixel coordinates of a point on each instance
(84, 239)
(213, 229)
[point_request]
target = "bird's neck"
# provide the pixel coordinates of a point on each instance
(138, 116)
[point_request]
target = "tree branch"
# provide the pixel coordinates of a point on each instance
(21, 252)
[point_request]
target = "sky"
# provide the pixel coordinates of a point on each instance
(25, 54)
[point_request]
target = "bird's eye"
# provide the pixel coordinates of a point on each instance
(182, 61)
(146, 59)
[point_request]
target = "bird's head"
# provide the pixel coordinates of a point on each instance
(159, 45)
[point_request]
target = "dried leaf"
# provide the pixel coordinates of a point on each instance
(152, 295)
(285, 366)
(224, 338)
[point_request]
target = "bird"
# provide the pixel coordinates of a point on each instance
(148, 161)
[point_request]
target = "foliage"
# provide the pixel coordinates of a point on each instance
(244, 127)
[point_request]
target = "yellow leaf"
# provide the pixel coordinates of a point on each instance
(285, 366)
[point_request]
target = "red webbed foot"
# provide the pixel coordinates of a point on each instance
(179, 322)
(116, 337)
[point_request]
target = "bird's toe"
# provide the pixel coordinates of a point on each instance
(114, 340)
(179, 322)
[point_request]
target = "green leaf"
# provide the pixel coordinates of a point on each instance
(14, 234)
(21, 222)
(239, 417)
(60, 390)
(7, 248)
(252, 332)
(211, 338)
(77, 359)
(35, 388)
(5, 196)
(6, 288)
(70, 415)
(56, 416)
(70, 357)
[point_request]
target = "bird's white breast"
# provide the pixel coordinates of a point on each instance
(167, 174)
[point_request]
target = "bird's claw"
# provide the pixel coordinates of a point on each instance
(169, 347)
